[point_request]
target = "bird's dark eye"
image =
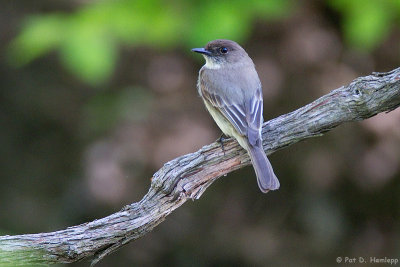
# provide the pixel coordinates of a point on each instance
(223, 50)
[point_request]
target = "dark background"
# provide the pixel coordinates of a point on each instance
(95, 96)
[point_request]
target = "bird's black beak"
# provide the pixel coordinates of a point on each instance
(202, 51)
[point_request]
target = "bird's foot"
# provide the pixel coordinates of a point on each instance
(221, 140)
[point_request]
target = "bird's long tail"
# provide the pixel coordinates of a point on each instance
(266, 177)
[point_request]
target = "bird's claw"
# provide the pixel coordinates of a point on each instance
(221, 140)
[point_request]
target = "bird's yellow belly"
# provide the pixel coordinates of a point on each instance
(225, 125)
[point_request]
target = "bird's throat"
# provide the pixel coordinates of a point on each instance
(212, 63)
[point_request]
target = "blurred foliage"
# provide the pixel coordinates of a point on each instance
(367, 22)
(87, 39)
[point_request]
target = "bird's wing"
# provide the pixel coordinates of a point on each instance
(254, 113)
(245, 116)
(234, 112)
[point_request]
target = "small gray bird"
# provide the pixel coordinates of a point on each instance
(231, 90)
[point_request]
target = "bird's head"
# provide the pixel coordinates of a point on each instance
(220, 52)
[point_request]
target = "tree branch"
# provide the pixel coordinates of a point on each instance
(188, 176)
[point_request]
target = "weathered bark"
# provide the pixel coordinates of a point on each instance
(187, 177)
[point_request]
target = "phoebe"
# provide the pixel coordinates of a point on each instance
(231, 90)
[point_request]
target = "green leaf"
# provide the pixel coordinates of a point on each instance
(39, 35)
(368, 25)
(219, 20)
(272, 9)
(88, 53)
(366, 22)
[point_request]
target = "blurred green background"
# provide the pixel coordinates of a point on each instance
(96, 96)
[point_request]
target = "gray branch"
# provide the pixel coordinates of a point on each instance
(188, 176)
